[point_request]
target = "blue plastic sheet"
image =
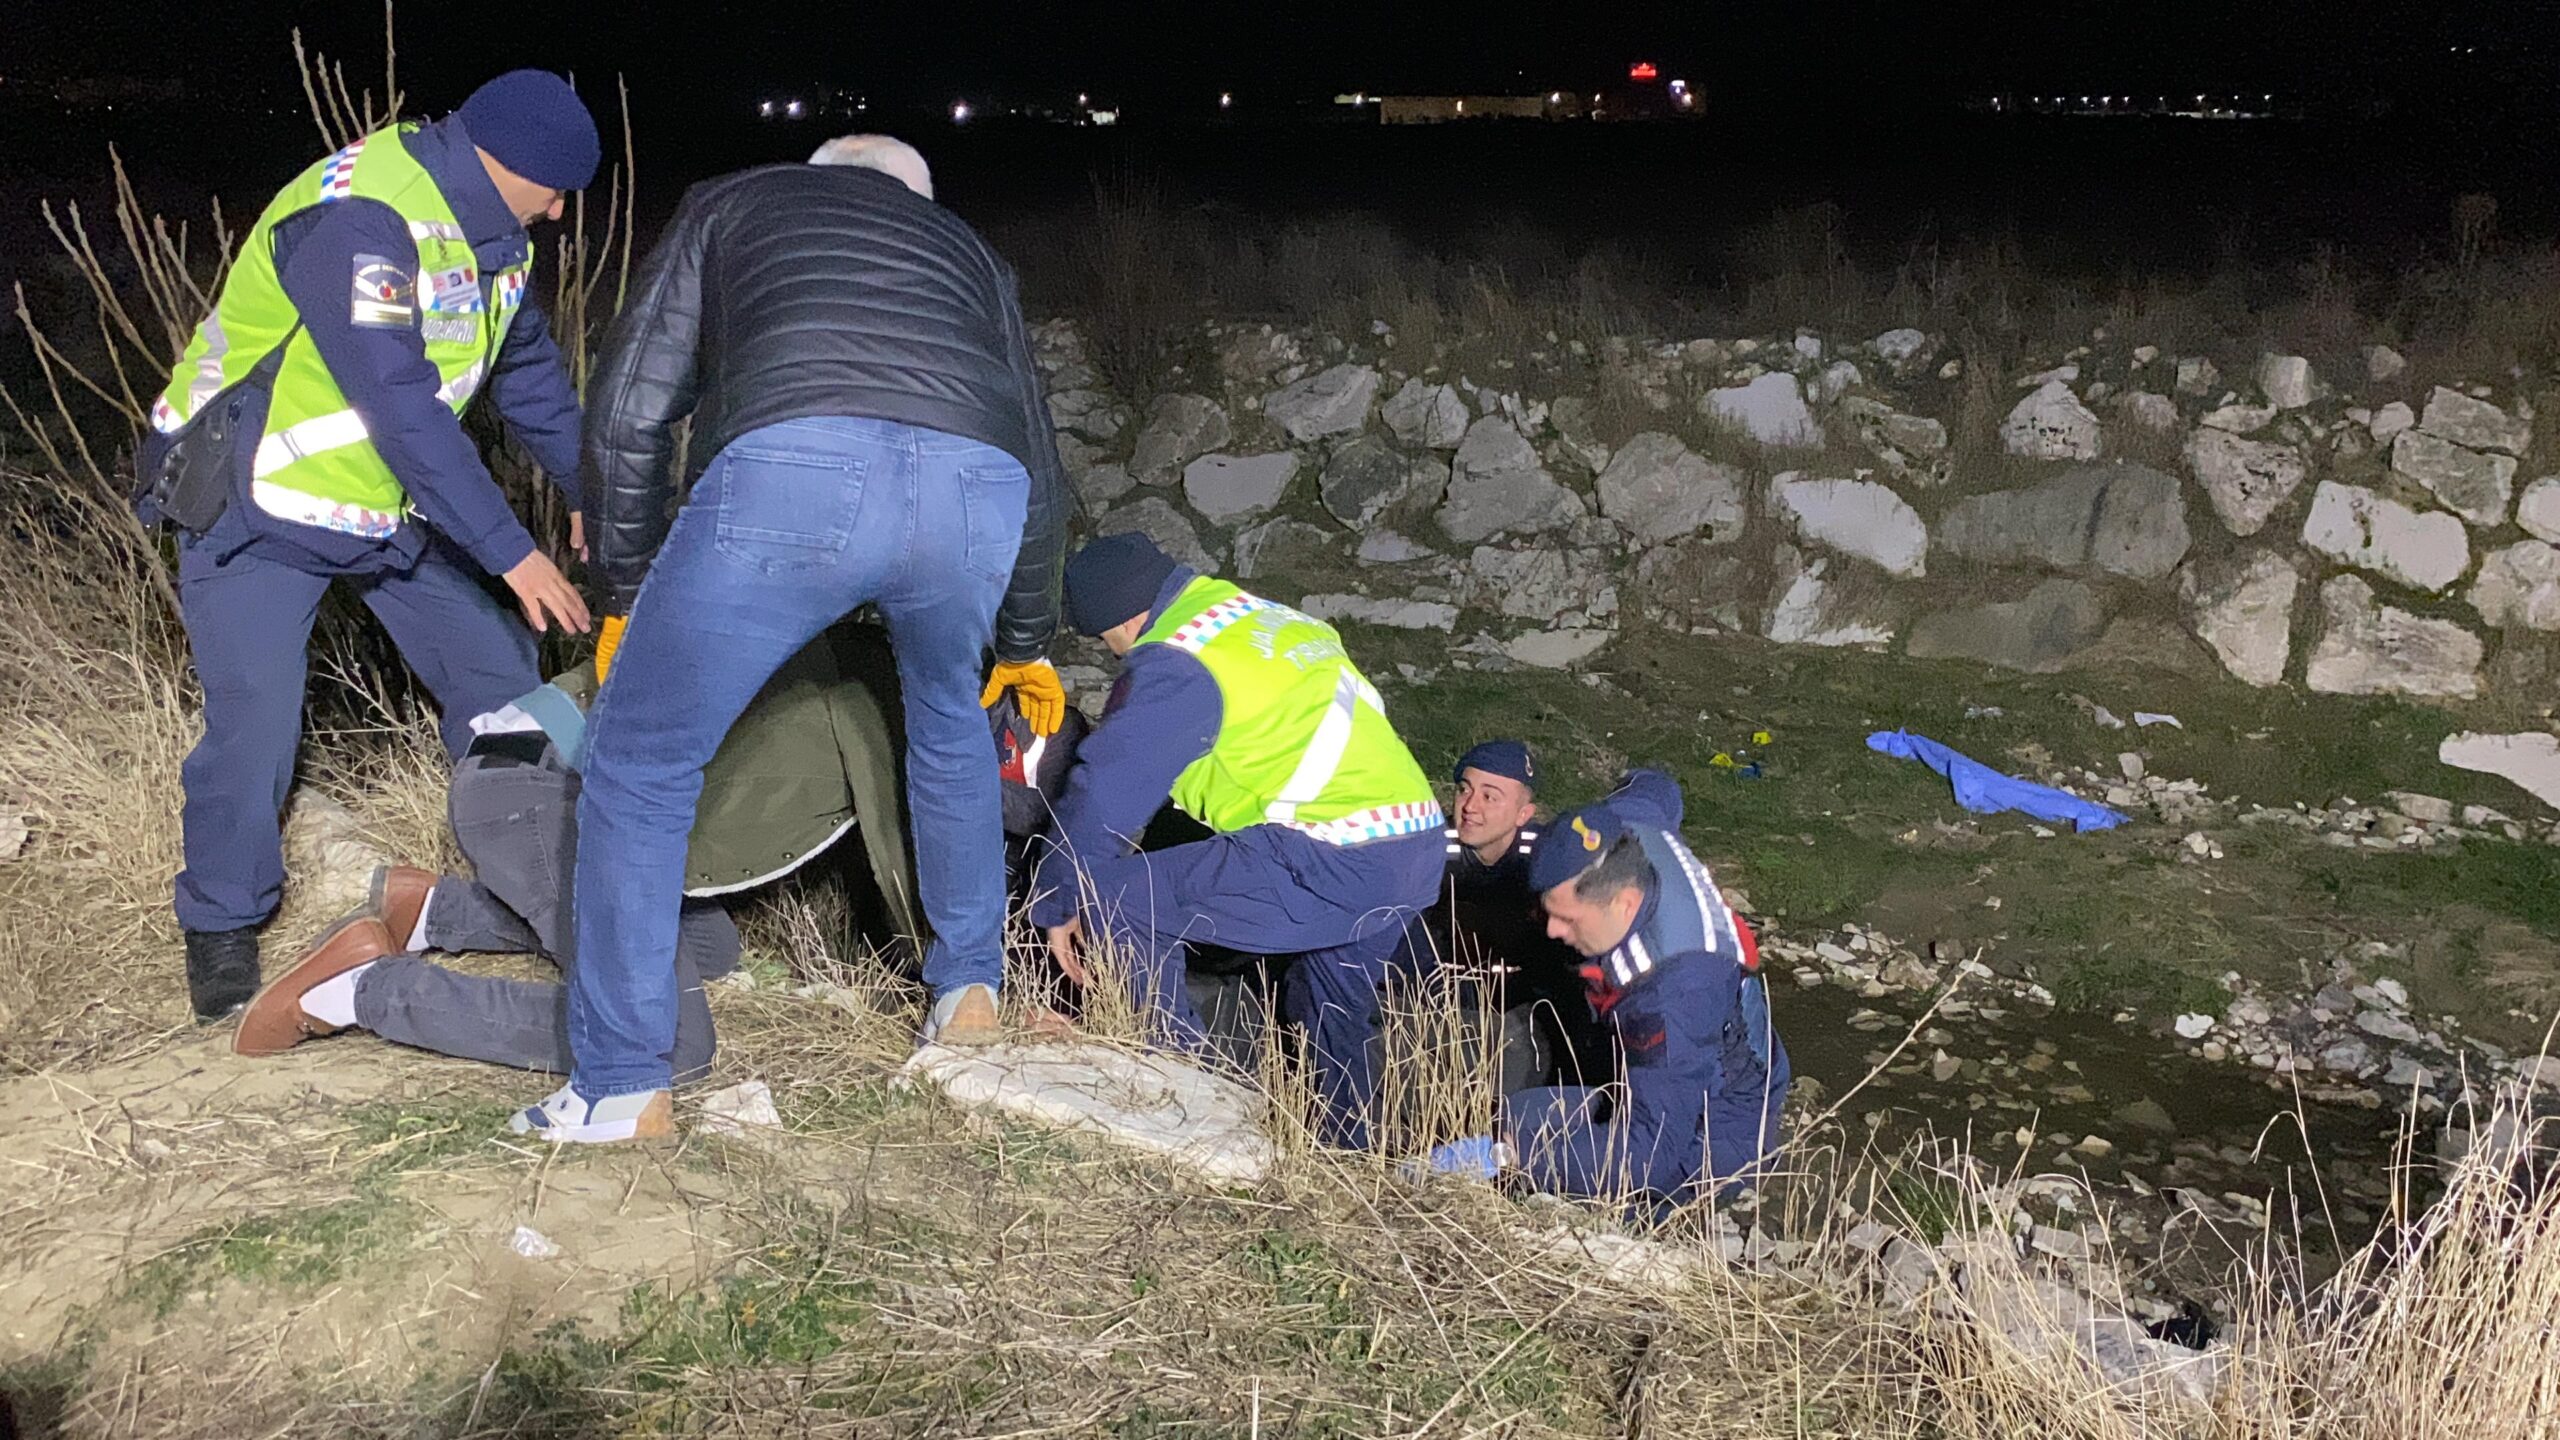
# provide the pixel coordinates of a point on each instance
(1986, 791)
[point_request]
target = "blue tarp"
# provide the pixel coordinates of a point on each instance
(1986, 791)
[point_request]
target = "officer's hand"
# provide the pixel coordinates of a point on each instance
(546, 595)
(608, 641)
(1062, 947)
(1036, 688)
(578, 534)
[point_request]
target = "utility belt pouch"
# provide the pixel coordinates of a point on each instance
(187, 479)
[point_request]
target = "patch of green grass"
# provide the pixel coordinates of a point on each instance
(790, 1303)
(294, 1250)
(557, 1388)
(2518, 882)
(395, 1137)
(1930, 1204)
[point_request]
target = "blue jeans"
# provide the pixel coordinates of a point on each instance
(249, 620)
(792, 528)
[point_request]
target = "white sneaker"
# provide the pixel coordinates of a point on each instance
(567, 1118)
(965, 1016)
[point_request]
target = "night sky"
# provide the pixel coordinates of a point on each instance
(1841, 55)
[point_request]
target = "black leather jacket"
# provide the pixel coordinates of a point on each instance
(792, 291)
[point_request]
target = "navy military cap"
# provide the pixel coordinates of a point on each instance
(1509, 759)
(1572, 845)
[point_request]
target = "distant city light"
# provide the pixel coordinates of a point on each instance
(1104, 117)
(1557, 98)
(1083, 99)
(765, 109)
(1226, 101)
(1643, 70)
(1462, 107)
(959, 112)
(794, 109)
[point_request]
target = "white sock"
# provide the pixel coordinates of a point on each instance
(333, 1001)
(416, 943)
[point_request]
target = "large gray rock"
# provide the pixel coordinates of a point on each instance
(1660, 490)
(2285, 380)
(1856, 517)
(1100, 486)
(2530, 759)
(1883, 426)
(2039, 632)
(1565, 587)
(2473, 485)
(2370, 649)
(1816, 601)
(2519, 587)
(2382, 363)
(2151, 411)
(1329, 402)
(1230, 487)
(1372, 610)
(1089, 413)
(2474, 424)
(2538, 509)
(2051, 424)
(1697, 585)
(1498, 487)
(1173, 532)
(1902, 346)
(2122, 519)
(1179, 430)
(2242, 608)
(1369, 478)
(1768, 411)
(1287, 547)
(1430, 417)
(2424, 550)
(2248, 481)
(2392, 419)
(1253, 354)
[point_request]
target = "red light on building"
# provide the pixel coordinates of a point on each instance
(1643, 70)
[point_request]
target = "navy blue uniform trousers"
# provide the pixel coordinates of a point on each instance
(1340, 910)
(249, 621)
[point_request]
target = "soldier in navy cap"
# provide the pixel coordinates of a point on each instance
(1489, 926)
(1675, 973)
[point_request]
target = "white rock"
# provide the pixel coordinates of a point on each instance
(2519, 587)
(2197, 375)
(2388, 988)
(2392, 419)
(1158, 520)
(2285, 380)
(1810, 607)
(2243, 611)
(1282, 547)
(1229, 487)
(2427, 810)
(2370, 649)
(1857, 517)
(1629, 1263)
(1386, 547)
(2247, 480)
(2385, 1026)
(2051, 424)
(2152, 412)
(1180, 429)
(2475, 424)
(2530, 759)
(2475, 485)
(1329, 402)
(2349, 523)
(2130, 762)
(2145, 354)
(1838, 379)
(2382, 363)
(1155, 1103)
(1901, 346)
(1542, 582)
(1371, 610)
(2194, 1027)
(2539, 509)
(1556, 649)
(747, 1105)
(2241, 419)
(1660, 490)
(1769, 411)
(1808, 345)
(1426, 415)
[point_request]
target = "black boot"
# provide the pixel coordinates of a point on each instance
(222, 971)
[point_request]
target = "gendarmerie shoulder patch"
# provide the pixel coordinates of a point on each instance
(385, 295)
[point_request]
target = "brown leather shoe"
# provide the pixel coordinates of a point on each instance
(274, 1021)
(395, 896)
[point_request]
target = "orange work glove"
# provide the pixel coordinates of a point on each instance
(1036, 689)
(608, 640)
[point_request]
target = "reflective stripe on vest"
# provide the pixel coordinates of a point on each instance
(1323, 755)
(1384, 822)
(322, 433)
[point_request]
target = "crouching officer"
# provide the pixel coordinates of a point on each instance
(1327, 838)
(313, 431)
(1677, 974)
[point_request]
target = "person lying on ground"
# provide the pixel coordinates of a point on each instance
(1676, 974)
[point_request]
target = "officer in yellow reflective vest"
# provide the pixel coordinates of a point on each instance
(312, 432)
(1327, 838)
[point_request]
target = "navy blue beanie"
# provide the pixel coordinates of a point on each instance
(1112, 580)
(1509, 759)
(531, 122)
(1577, 841)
